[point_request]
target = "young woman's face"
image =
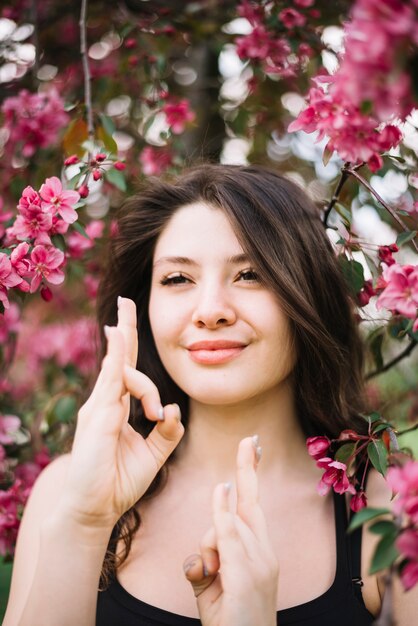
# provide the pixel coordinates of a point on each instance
(221, 334)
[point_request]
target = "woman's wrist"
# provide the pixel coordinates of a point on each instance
(68, 524)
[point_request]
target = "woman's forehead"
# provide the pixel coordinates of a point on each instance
(197, 229)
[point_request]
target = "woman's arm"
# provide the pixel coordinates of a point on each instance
(77, 500)
(57, 564)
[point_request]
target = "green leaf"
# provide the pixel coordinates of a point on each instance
(381, 427)
(406, 236)
(365, 515)
(375, 344)
(74, 137)
(116, 178)
(385, 553)
(59, 242)
(353, 273)
(344, 452)
(378, 456)
(326, 155)
(65, 409)
(79, 228)
(383, 527)
(344, 212)
(107, 124)
(107, 140)
(366, 107)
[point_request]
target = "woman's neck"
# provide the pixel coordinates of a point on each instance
(211, 440)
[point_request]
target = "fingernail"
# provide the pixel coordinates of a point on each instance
(160, 414)
(119, 300)
(187, 566)
(178, 414)
(106, 330)
(227, 487)
(255, 440)
(258, 453)
(205, 570)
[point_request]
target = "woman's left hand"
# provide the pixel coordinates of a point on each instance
(235, 576)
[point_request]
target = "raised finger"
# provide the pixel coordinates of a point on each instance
(228, 540)
(109, 384)
(248, 508)
(127, 326)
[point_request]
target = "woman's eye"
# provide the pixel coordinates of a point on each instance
(249, 276)
(175, 279)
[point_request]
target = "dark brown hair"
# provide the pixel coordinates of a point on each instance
(281, 231)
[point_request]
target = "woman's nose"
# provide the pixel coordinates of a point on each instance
(213, 308)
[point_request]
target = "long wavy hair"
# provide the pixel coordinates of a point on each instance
(280, 229)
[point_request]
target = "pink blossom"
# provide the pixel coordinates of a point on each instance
(32, 223)
(46, 264)
(155, 160)
(8, 278)
(177, 115)
(335, 476)
(407, 544)
(255, 45)
(401, 291)
(11, 507)
(78, 244)
(358, 501)
(9, 425)
(5, 216)
(9, 322)
(292, 18)
(317, 446)
(404, 482)
(29, 471)
(55, 199)
(33, 120)
(371, 87)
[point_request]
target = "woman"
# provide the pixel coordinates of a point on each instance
(247, 339)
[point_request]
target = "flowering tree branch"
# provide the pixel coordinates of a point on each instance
(86, 70)
(393, 361)
(353, 172)
(336, 196)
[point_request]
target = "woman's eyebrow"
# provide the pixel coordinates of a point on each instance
(177, 260)
(184, 260)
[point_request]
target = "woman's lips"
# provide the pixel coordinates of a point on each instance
(215, 352)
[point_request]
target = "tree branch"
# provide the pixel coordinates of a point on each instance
(407, 430)
(335, 197)
(86, 70)
(394, 361)
(374, 193)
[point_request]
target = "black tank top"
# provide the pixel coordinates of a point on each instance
(341, 605)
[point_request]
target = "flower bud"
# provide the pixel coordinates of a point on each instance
(118, 165)
(97, 174)
(100, 156)
(71, 160)
(317, 446)
(83, 191)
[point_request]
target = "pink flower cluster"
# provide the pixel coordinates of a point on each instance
(335, 474)
(264, 45)
(72, 343)
(400, 293)
(371, 87)
(33, 120)
(13, 500)
(155, 161)
(404, 482)
(178, 114)
(40, 216)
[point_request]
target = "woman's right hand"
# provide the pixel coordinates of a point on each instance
(111, 464)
